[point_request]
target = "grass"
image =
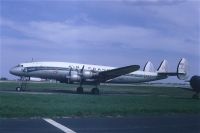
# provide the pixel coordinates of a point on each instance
(140, 100)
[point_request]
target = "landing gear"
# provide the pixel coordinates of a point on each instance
(95, 91)
(18, 88)
(79, 90)
(22, 84)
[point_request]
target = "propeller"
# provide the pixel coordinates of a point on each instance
(81, 73)
(25, 69)
(69, 75)
(82, 69)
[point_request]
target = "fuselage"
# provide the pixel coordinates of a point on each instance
(62, 70)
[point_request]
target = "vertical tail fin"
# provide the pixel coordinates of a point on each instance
(149, 67)
(182, 69)
(163, 68)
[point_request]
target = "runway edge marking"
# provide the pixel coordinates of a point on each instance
(58, 125)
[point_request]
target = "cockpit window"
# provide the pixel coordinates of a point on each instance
(19, 65)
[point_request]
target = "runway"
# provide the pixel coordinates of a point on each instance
(135, 124)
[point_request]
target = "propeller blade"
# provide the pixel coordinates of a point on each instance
(82, 69)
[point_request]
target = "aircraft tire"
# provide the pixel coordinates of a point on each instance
(95, 91)
(18, 88)
(79, 90)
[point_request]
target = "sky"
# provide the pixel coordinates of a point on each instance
(112, 33)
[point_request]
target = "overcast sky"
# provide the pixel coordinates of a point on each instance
(112, 33)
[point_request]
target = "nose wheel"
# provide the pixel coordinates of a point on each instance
(18, 88)
(22, 84)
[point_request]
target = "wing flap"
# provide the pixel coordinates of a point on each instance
(110, 74)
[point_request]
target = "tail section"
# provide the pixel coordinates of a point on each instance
(149, 67)
(181, 73)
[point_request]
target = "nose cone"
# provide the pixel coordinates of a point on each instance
(15, 71)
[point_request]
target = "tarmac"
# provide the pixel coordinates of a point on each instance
(181, 123)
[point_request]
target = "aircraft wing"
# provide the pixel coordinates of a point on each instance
(110, 74)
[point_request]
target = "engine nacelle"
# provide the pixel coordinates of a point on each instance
(195, 83)
(88, 74)
(74, 77)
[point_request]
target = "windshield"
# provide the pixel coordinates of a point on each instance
(19, 65)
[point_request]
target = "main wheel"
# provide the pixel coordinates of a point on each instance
(95, 91)
(79, 90)
(18, 88)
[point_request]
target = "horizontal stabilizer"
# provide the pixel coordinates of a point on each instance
(110, 74)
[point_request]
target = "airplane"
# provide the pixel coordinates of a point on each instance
(66, 72)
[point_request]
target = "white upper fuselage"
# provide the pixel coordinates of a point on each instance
(67, 65)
